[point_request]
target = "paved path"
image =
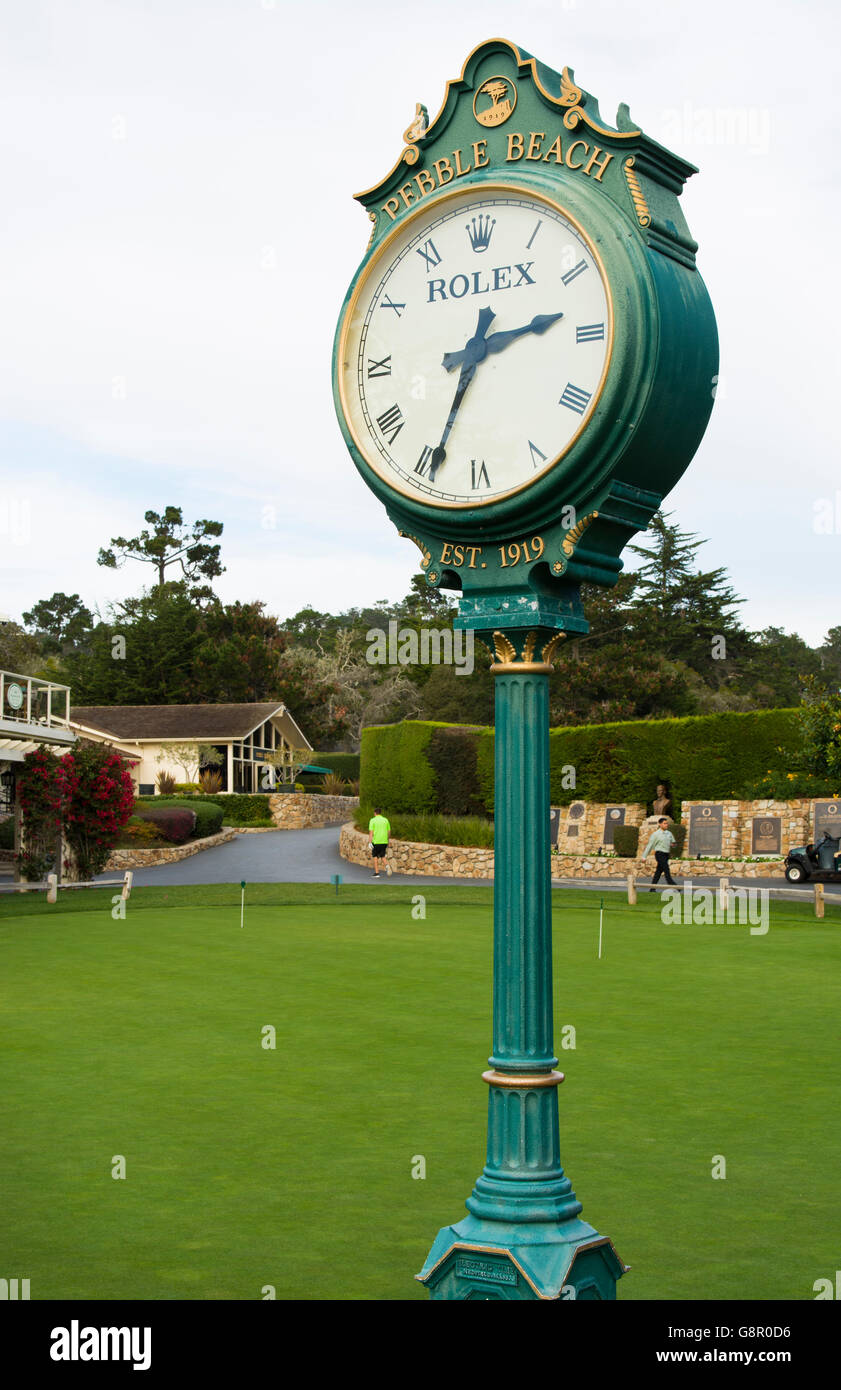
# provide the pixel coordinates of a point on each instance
(311, 856)
(273, 856)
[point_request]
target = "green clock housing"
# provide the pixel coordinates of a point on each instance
(526, 359)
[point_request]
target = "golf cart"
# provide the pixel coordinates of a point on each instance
(821, 862)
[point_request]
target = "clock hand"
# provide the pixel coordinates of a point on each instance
(497, 341)
(470, 358)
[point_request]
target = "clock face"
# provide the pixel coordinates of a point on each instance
(475, 347)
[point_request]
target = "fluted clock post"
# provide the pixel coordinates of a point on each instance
(523, 1238)
(524, 365)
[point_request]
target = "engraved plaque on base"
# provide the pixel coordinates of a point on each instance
(705, 830)
(554, 824)
(827, 818)
(613, 816)
(766, 835)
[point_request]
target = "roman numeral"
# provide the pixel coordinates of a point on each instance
(379, 368)
(391, 422)
(387, 304)
(476, 480)
(534, 234)
(571, 274)
(424, 460)
(589, 332)
(575, 398)
(429, 253)
(535, 451)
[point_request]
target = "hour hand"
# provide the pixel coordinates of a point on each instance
(497, 341)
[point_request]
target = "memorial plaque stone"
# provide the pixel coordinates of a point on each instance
(766, 836)
(705, 830)
(827, 818)
(576, 811)
(613, 816)
(554, 824)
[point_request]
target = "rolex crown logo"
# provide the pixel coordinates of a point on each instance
(480, 231)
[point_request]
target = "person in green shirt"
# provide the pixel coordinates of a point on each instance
(661, 843)
(379, 830)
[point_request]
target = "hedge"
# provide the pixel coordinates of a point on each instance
(237, 808)
(702, 757)
(394, 771)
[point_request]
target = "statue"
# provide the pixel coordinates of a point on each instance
(662, 804)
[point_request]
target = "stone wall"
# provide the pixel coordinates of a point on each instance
(585, 833)
(296, 810)
(453, 861)
(408, 857)
(122, 859)
(610, 866)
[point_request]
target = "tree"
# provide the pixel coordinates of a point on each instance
(61, 623)
(19, 652)
(829, 654)
(238, 657)
(819, 719)
(681, 610)
(192, 758)
(171, 543)
(143, 654)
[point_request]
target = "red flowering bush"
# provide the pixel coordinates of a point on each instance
(97, 799)
(40, 802)
(87, 795)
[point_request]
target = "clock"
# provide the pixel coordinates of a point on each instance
(475, 347)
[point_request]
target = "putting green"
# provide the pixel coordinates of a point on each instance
(292, 1168)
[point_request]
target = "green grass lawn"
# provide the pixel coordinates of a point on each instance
(247, 1167)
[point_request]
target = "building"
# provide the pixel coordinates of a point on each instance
(248, 739)
(32, 712)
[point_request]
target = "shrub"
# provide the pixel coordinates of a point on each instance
(39, 791)
(679, 832)
(208, 815)
(353, 788)
(626, 840)
(210, 781)
(7, 833)
(185, 788)
(434, 829)
(140, 832)
(332, 784)
(174, 823)
(165, 783)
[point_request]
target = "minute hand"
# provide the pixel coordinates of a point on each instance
(497, 341)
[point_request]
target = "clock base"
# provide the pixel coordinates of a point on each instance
(482, 1260)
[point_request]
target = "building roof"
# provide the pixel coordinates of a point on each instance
(141, 722)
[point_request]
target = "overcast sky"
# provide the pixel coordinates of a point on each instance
(179, 233)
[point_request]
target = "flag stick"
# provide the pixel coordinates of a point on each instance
(242, 905)
(601, 920)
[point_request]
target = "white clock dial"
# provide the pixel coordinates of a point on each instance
(475, 347)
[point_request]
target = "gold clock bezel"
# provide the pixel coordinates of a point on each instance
(404, 226)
